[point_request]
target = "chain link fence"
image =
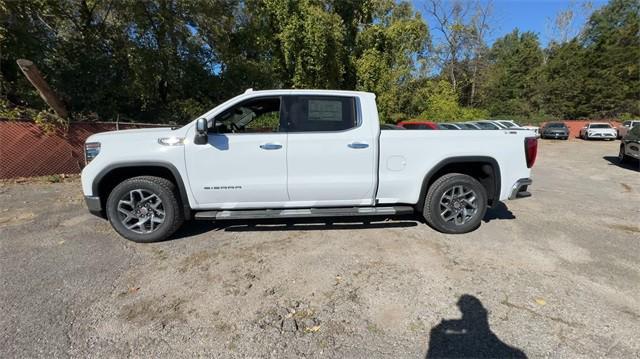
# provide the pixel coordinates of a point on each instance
(26, 150)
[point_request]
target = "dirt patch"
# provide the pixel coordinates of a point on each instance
(626, 187)
(161, 310)
(625, 227)
(14, 219)
(197, 260)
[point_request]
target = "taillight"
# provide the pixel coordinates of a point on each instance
(530, 150)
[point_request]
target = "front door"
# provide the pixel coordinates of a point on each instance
(244, 163)
(330, 153)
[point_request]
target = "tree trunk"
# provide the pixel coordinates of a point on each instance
(31, 72)
(474, 75)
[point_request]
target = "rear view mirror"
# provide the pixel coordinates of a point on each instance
(202, 127)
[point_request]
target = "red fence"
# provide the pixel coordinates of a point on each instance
(27, 151)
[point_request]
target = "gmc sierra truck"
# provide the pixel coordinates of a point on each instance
(299, 153)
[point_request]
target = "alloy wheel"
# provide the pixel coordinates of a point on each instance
(141, 211)
(458, 205)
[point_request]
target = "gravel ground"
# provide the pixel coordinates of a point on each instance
(557, 274)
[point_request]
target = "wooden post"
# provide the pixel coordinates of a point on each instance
(31, 72)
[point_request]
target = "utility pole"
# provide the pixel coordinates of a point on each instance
(31, 72)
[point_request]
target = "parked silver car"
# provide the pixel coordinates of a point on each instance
(555, 130)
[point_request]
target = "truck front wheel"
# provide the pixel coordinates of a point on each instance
(144, 209)
(455, 203)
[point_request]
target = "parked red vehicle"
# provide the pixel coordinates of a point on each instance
(418, 125)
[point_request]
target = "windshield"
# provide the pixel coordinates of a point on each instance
(556, 125)
(507, 124)
(600, 125)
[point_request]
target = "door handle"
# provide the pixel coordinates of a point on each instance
(358, 145)
(271, 146)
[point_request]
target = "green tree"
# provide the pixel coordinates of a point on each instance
(441, 104)
(512, 87)
(612, 60)
(562, 85)
(388, 50)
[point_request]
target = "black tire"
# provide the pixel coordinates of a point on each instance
(165, 190)
(435, 194)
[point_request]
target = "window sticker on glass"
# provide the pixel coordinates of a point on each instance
(325, 110)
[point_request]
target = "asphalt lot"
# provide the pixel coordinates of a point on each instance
(556, 275)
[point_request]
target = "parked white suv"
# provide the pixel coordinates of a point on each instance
(299, 153)
(598, 130)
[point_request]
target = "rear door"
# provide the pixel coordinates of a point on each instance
(330, 152)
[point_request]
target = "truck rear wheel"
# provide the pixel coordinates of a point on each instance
(455, 203)
(145, 209)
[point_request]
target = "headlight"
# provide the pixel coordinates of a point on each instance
(91, 150)
(171, 141)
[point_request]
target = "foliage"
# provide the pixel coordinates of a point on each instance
(54, 179)
(511, 87)
(172, 60)
(611, 42)
(443, 105)
(388, 52)
(269, 120)
(12, 112)
(50, 122)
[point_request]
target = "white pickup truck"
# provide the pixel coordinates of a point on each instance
(299, 153)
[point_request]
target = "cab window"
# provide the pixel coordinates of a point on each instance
(319, 113)
(259, 115)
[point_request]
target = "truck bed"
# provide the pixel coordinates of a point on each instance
(407, 157)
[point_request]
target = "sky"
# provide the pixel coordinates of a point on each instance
(526, 15)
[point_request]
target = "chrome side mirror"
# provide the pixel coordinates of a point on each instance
(202, 128)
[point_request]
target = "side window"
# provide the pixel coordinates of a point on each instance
(626, 123)
(259, 115)
(319, 113)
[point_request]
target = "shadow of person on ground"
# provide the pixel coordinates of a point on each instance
(613, 160)
(470, 336)
(499, 211)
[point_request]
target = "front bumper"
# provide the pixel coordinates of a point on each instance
(519, 189)
(556, 134)
(601, 135)
(94, 204)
